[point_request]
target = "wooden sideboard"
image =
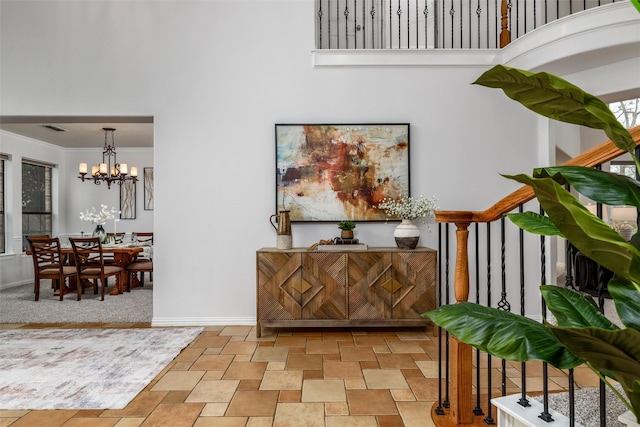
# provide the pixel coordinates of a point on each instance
(313, 288)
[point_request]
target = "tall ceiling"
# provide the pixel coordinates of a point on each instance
(82, 132)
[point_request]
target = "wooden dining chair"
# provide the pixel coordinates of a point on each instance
(143, 237)
(48, 263)
(115, 237)
(139, 266)
(89, 260)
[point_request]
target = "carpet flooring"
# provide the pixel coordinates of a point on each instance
(17, 306)
(587, 406)
(83, 368)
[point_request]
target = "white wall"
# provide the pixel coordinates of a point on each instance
(216, 76)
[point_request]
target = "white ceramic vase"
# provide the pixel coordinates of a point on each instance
(407, 234)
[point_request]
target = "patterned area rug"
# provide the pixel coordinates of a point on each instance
(83, 368)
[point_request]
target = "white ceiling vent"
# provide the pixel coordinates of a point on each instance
(54, 127)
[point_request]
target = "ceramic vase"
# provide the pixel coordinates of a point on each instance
(99, 232)
(407, 234)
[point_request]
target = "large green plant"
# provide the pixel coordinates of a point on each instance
(582, 334)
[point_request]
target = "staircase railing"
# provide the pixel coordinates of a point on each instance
(463, 398)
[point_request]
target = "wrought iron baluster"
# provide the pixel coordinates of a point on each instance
(373, 25)
(399, 13)
(363, 29)
(545, 415)
(329, 21)
(446, 402)
(355, 24)
(417, 28)
(408, 25)
(461, 20)
(425, 12)
(338, 23)
(572, 398)
(443, 25)
(440, 409)
(546, 12)
(489, 418)
(503, 304)
(452, 12)
(523, 401)
(320, 26)
(346, 24)
(478, 409)
(390, 26)
(488, 35)
(478, 14)
(469, 15)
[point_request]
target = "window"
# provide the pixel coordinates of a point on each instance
(623, 168)
(36, 200)
(3, 229)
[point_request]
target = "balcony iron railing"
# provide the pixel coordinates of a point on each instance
(435, 24)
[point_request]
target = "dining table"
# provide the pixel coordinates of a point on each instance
(123, 255)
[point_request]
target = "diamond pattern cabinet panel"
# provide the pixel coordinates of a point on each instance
(275, 269)
(369, 273)
(376, 287)
(325, 273)
(391, 285)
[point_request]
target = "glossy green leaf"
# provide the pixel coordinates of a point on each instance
(535, 223)
(503, 334)
(613, 353)
(585, 231)
(626, 296)
(556, 98)
(599, 186)
(574, 309)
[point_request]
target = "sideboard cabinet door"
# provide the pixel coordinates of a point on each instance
(391, 285)
(299, 285)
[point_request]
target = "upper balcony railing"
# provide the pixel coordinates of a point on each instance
(435, 24)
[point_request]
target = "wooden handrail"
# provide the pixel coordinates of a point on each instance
(599, 154)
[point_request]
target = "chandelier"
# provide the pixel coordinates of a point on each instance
(108, 171)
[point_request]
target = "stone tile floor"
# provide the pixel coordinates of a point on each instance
(289, 377)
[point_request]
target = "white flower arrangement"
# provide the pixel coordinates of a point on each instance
(407, 207)
(101, 217)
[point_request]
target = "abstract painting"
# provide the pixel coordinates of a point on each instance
(148, 189)
(341, 171)
(128, 200)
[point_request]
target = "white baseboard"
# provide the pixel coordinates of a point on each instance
(203, 321)
(15, 284)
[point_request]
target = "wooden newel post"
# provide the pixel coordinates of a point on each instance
(461, 402)
(505, 34)
(461, 354)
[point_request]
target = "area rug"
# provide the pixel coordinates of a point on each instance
(83, 368)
